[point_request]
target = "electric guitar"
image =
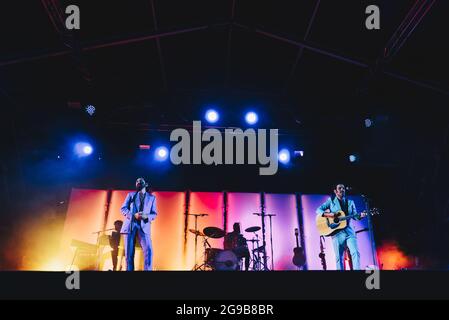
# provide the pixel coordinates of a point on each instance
(299, 258)
(328, 226)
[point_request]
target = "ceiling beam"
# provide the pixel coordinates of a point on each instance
(417, 12)
(301, 49)
(159, 50)
(108, 44)
(229, 51)
(55, 14)
(340, 57)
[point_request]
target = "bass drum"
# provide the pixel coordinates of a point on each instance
(211, 255)
(226, 260)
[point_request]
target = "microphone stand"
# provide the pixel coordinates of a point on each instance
(271, 241)
(370, 231)
(322, 255)
(99, 252)
(370, 228)
(262, 215)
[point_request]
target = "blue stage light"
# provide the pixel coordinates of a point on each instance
(368, 123)
(284, 156)
(83, 149)
(212, 116)
(299, 153)
(352, 158)
(90, 109)
(251, 118)
(161, 153)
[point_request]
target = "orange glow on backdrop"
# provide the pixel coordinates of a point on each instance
(210, 203)
(85, 215)
(167, 230)
(391, 257)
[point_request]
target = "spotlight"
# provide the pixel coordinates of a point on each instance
(284, 156)
(87, 150)
(368, 123)
(352, 158)
(161, 153)
(251, 118)
(211, 116)
(83, 149)
(299, 153)
(90, 109)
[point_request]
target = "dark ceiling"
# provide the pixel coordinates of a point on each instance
(142, 51)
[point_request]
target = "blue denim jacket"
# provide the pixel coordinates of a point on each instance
(334, 206)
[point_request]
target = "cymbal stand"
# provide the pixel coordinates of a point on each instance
(256, 261)
(203, 267)
(264, 261)
(196, 266)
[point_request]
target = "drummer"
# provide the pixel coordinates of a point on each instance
(237, 243)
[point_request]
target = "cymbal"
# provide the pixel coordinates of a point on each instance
(252, 229)
(214, 232)
(199, 233)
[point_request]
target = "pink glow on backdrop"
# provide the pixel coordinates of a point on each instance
(210, 203)
(241, 207)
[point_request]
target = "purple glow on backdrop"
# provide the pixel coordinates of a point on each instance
(284, 224)
(241, 207)
(312, 239)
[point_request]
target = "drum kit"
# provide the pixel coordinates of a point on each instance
(228, 260)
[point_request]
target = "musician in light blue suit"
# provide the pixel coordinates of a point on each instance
(139, 209)
(345, 237)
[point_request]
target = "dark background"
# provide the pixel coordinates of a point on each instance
(309, 68)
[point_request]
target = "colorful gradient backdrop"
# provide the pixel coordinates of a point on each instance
(174, 244)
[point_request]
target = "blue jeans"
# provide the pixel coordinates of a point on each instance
(346, 237)
(130, 247)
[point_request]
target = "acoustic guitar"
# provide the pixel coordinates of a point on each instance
(328, 226)
(299, 258)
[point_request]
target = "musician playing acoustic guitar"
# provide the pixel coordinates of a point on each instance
(345, 237)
